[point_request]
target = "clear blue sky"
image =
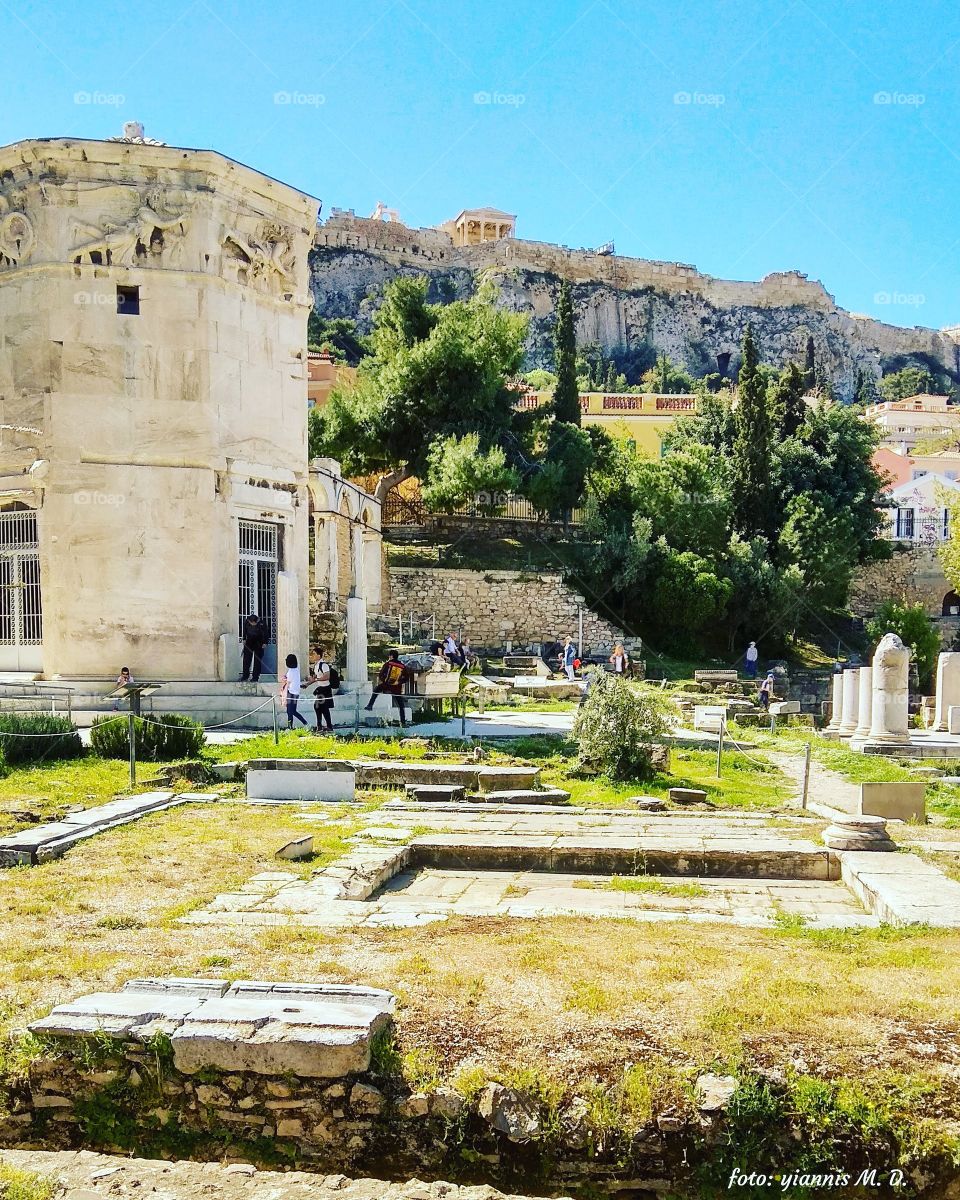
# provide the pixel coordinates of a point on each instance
(781, 159)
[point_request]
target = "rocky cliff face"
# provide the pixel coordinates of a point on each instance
(638, 310)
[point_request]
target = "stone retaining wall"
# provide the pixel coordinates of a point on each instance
(494, 607)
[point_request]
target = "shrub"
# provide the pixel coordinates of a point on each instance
(17, 750)
(616, 726)
(912, 625)
(158, 738)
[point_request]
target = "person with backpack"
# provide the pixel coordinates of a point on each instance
(254, 641)
(390, 681)
(327, 678)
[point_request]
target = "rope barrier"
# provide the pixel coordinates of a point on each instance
(220, 724)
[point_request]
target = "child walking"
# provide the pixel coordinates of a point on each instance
(290, 690)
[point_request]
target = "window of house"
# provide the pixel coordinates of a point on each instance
(918, 474)
(128, 300)
(905, 523)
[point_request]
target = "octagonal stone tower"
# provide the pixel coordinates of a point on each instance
(153, 400)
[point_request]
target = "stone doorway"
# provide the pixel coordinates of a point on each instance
(21, 610)
(259, 563)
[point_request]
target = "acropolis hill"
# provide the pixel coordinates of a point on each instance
(627, 305)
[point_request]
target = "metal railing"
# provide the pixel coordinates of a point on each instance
(497, 506)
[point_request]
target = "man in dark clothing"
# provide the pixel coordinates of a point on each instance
(254, 641)
(393, 674)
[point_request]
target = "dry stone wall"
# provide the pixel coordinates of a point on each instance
(494, 607)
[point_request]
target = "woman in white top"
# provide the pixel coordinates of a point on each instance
(290, 690)
(619, 659)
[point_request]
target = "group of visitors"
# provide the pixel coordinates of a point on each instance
(458, 654)
(566, 656)
(323, 677)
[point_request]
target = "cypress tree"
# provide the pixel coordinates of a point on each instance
(753, 506)
(810, 365)
(789, 409)
(566, 394)
(611, 381)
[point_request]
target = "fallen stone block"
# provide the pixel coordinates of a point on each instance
(899, 800)
(524, 796)
(648, 803)
(681, 795)
(442, 793)
(300, 779)
(298, 848)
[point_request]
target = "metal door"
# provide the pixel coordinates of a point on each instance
(259, 563)
(21, 611)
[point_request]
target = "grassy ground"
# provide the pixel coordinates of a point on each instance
(574, 1001)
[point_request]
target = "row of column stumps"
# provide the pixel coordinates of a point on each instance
(871, 703)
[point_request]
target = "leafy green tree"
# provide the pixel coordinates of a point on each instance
(911, 623)
(821, 543)
(557, 484)
(667, 378)
(566, 395)
(435, 371)
(338, 336)
(765, 600)
(543, 381)
(911, 381)
(750, 457)
(458, 468)
(687, 595)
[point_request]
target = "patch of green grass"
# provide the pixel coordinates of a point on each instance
(645, 884)
(16, 1184)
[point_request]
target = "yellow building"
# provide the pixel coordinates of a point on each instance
(644, 418)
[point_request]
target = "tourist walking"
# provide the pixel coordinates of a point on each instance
(254, 641)
(568, 658)
(322, 676)
(390, 681)
(766, 692)
(750, 659)
(619, 659)
(290, 691)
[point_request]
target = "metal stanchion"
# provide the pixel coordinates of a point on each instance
(132, 736)
(723, 726)
(276, 724)
(806, 776)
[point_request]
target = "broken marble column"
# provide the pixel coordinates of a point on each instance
(849, 718)
(356, 641)
(291, 634)
(836, 703)
(948, 690)
(864, 705)
(858, 833)
(890, 716)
